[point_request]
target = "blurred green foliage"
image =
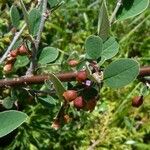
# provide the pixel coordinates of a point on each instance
(114, 124)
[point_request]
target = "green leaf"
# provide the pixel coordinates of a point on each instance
(110, 48)
(60, 89)
(34, 21)
(48, 54)
(131, 8)
(52, 3)
(47, 101)
(93, 46)
(14, 15)
(25, 14)
(21, 61)
(10, 120)
(121, 72)
(7, 102)
(103, 22)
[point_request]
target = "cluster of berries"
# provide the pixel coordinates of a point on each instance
(11, 58)
(78, 97)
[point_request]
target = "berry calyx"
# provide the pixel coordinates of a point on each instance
(81, 76)
(73, 63)
(70, 95)
(79, 102)
(23, 50)
(8, 68)
(137, 101)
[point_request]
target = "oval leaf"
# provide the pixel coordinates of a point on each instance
(14, 15)
(103, 22)
(121, 73)
(93, 46)
(110, 48)
(34, 21)
(21, 61)
(48, 54)
(131, 8)
(60, 89)
(7, 102)
(10, 120)
(47, 101)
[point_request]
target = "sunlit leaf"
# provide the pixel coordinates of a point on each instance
(60, 89)
(34, 21)
(103, 22)
(10, 120)
(121, 73)
(131, 8)
(48, 54)
(93, 46)
(14, 15)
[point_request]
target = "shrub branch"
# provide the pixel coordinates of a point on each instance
(64, 77)
(113, 16)
(33, 63)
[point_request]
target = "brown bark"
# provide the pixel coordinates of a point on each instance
(64, 77)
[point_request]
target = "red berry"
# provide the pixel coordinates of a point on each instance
(73, 63)
(23, 49)
(137, 101)
(90, 105)
(81, 76)
(8, 68)
(79, 103)
(70, 95)
(14, 53)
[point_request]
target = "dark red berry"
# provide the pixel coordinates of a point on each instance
(137, 101)
(73, 63)
(79, 102)
(90, 105)
(81, 76)
(70, 95)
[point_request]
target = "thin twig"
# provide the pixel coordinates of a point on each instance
(64, 77)
(16, 37)
(37, 40)
(112, 18)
